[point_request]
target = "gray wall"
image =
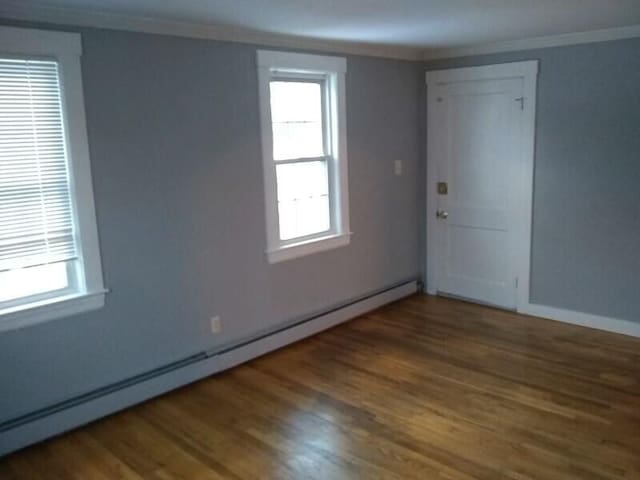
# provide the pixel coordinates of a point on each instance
(586, 219)
(175, 150)
(174, 137)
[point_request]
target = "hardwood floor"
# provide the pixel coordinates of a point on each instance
(426, 388)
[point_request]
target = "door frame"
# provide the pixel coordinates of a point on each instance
(528, 71)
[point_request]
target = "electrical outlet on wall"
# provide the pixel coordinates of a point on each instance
(216, 324)
(397, 167)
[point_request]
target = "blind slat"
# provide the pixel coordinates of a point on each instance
(36, 218)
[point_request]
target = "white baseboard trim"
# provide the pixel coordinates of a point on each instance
(607, 324)
(598, 322)
(273, 342)
(66, 419)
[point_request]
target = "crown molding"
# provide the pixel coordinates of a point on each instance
(32, 12)
(577, 38)
(28, 11)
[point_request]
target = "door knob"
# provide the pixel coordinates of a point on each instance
(441, 214)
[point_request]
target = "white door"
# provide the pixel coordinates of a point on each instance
(476, 173)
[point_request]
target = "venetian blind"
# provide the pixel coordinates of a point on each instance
(36, 218)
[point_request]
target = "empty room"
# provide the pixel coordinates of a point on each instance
(319, 239)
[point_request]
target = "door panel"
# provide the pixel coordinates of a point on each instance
(478, 136)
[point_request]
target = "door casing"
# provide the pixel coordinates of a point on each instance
(528, 72)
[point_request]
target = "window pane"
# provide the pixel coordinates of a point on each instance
(303, 199)
(296, 117)
(24, 282)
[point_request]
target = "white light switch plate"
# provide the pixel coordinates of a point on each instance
(397, 167)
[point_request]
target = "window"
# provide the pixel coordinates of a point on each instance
(302, 100)
(49, 261)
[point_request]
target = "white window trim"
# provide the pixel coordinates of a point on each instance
(285, 63)
(66, 48)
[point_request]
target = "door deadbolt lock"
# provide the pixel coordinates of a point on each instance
(441, 214)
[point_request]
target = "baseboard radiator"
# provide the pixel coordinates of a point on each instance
(55, 419)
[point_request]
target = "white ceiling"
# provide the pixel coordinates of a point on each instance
(427, 24)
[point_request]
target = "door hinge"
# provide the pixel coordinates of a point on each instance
(517, 282)
(521, 100)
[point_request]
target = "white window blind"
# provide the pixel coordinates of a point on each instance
(36, 218)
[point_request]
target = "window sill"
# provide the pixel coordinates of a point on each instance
(308, 247)
(38, 312)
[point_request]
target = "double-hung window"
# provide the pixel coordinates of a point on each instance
(49, 259)
(302, 99)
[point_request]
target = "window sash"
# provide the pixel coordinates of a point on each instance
(323, 81)
(332, 229)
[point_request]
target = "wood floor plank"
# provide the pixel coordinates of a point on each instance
(425, 388)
